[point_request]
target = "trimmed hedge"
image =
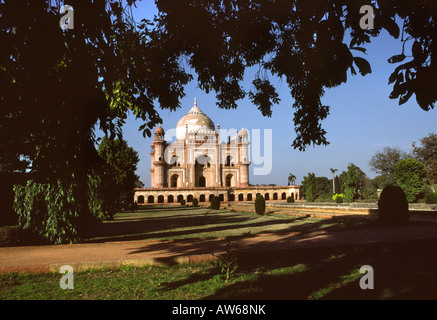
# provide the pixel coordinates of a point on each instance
(260, 205)
(290, 199)
(215, 203)
(195, 202)
(393, 206)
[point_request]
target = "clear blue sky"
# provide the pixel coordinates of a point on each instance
(362, 120)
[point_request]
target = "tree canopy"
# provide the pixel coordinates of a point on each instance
(314, 187)
(291, 179)
(353, 182)
(120, 165)
(302, 42)
(59, 85)
(384, 163)
(410, 175)
(426, 153)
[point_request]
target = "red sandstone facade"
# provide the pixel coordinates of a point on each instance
(198, 165)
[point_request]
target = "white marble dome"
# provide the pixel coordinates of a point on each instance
(197, 122)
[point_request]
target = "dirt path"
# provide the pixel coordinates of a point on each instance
(113, 254)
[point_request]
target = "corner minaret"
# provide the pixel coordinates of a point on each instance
(243, 146)
(158, 162)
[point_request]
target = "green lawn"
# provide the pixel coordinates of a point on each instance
(188, 222)
(402, 271)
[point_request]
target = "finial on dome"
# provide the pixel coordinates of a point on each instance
(195, 101)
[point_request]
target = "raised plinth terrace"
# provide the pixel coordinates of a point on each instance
(204, 194)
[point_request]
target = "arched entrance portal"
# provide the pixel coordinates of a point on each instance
(174, 181)
(201, 169)
(202, 181)
(229, 180)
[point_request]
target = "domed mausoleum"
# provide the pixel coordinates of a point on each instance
(197, 158)
(198, 165)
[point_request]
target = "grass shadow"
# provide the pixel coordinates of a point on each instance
(402, 271)
(180, 224)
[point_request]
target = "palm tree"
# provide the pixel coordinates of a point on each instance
(291, 179)
(333, 179)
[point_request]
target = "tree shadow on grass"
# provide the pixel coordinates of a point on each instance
(196, 233)
(128, 228)
(406, 270)
(284, 275)
(198, 222)
(149, 227)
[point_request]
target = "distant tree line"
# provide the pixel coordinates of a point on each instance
(415, 173)
(353, 183)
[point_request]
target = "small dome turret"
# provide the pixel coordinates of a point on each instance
(159, 130)
(243, 133)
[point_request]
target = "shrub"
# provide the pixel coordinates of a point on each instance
(350, 194)
(182, 202)
(195, 202)
(431, 198)
(227, 262)
(260, 205)
(338, 197)
(215, 203)
(393, 206)
(290, 199)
